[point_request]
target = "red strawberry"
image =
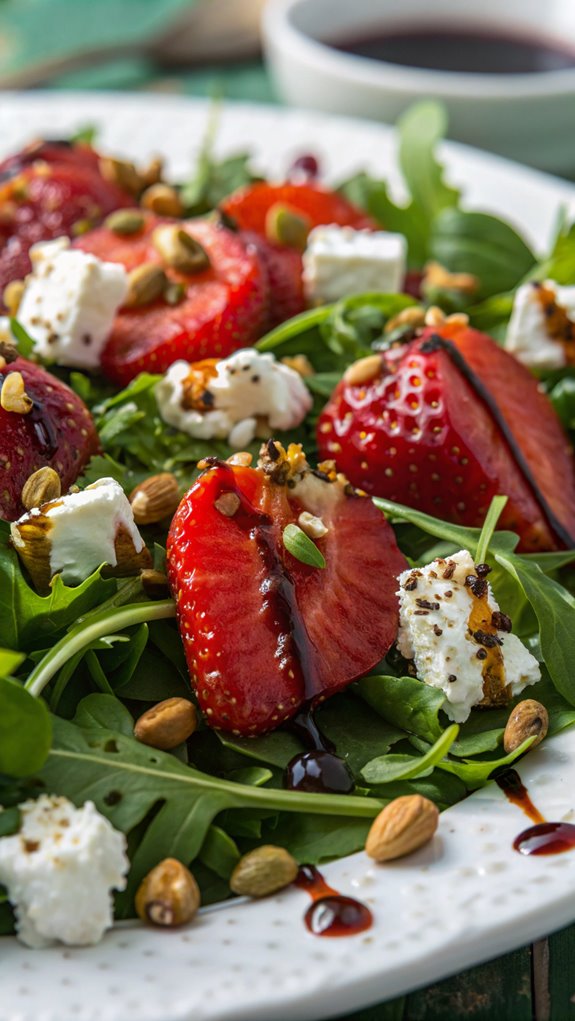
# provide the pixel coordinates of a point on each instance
(250, 206)
(221, 309)
(264, 633)
(46, 201)
(283, 268)
(52, 151)
(58, 432)
(446, 423)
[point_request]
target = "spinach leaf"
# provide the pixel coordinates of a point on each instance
(25, 730)
(482, 245)
(10, 661)
(406, 703)
(313, 840)
(387, 768)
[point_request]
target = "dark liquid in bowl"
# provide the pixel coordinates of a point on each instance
(461, 49)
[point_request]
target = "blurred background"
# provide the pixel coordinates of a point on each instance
(506, 73)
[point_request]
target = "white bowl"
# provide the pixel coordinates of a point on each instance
(528, 117)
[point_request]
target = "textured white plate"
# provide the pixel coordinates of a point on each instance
(465, 898)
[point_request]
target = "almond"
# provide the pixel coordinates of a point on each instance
(528, 718)
(401, 827)
(155, 499)
(168, 896)
(363, 370)
(167, 724)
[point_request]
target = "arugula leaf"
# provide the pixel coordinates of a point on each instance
(302, 547)
(214, 180)
(104, 711)
(9, 824)
(387, 768)
(482, 245)
(489, 525)
(458, 535)
(405, 703)
(314, 839)
(10, 661)
(476, 774)
(25, 730)
(85, 135)
(23, 339)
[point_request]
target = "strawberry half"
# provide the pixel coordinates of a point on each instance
(222, 308)
(446, 423)
(58, 431)
(264, 633)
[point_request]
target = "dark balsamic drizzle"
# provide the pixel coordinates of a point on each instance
(437, 343)
(331, 913)
(319, 769)
(543, 838)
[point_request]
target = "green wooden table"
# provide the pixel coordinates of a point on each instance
(536, 983)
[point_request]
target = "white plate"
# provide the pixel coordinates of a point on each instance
(465, 898)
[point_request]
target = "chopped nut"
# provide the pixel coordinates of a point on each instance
(457, 319)
(527, 719)
(153, 172)
(287, 226)
(12, 295)
(42, 486)
(163, 200)
(438, 276)
(300, 364)
(169, 895)
(146, 283)
(155, 499)
(413, 316)
(263, 871)
(312, 525)
(434, 316)
(363, 370)
(124, 221)
(13, 396)
(122, 173)
(167, 724)
(243, 458)
(227, 504)
(180, 250)
(401, 827)
(154, 583)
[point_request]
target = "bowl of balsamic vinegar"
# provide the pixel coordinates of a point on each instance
(505, 69)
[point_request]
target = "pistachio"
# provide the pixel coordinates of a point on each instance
(154, 583)
(364, 370)
(162, 199)
(155, 499)
(121, 173)
(402, 827)
(413, 316)
(12, 296)
(124, 221)
(312, 525)
(174, 293)
(42, 486)
(13, 396)
(300, 364)
(82, 226)
(287, 226)
(146, 283)
(437, 276)
(529, 718)
(169, 895)
(263, 871)
(180, 250)
(167, 724)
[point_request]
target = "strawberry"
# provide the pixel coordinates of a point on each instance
(58, 150)
(219, 309)
(47, 200)
(249, 208)
(58, 431)
(446, 423)
(264, 633)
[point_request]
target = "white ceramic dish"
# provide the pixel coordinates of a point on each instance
(528, 117)
(463, 899)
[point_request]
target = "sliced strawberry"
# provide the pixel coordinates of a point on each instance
(447, 423)
(221, 309)
(250, 206)
(264, 633)
(283, 268)
(48, 200)
(58, 432)
(51, 151)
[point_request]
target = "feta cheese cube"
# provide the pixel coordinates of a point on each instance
(529, 333)
(69, 303)
(434, 630)
(341, 261)
(60, 869)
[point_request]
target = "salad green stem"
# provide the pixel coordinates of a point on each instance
(88, 631)
(489, 526)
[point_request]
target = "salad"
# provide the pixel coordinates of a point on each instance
(288, 518)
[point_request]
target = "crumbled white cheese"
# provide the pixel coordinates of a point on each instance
(69, 303)
(341, 261)
(83, 529)
(59, 871)
(434, 632)
(528, 336)
(248, 388)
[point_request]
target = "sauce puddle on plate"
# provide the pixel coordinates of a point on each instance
(331, 913)
(544, 837)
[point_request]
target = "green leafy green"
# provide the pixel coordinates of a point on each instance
(387, 768)
(476, 773)
(25, 730)
(85, 135)
(23, 339)
(9, 824)
(489, 525)
(405, 703)
(482, 245)
(302, 547)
